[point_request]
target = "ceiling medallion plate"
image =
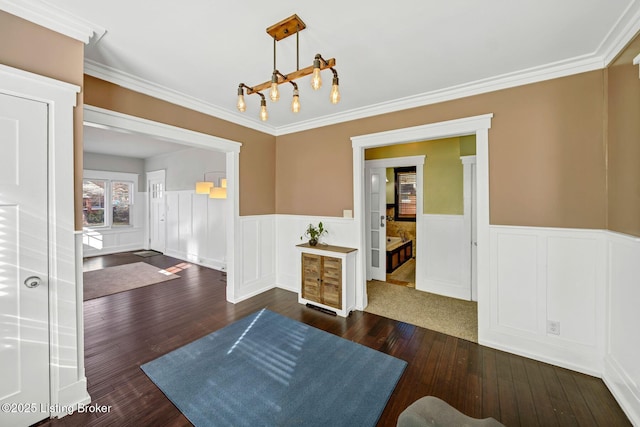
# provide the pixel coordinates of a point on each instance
(286, 27)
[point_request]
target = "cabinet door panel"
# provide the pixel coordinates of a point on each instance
(311, 277)
(332, 282)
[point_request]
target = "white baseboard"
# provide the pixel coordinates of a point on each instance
(252, 289)
(620, 385)
(71, 396)
(110, 250)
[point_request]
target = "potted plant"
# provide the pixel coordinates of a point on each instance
(314, 233)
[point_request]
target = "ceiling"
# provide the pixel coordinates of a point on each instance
(389, 56)
(125, 144)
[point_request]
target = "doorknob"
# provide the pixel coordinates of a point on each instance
(382, 221)
(32, 282)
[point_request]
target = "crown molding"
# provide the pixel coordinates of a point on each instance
(504, 81)
(624, 30)
(53, 18)
(137, 84)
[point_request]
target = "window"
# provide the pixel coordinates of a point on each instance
(106, 203)
(93, 196)
(405, 194)
(121, 202)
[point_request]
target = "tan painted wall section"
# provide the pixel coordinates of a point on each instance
(257, 154)
(546, 154)
(33, 48)
(624, 143)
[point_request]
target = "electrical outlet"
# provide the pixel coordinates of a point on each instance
(553, 327)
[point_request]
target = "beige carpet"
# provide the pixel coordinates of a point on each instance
(447, 315)
(111, 280)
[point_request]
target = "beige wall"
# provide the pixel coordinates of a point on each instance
(624, 143)
(546, 154)
(257, 154)
(33, 48)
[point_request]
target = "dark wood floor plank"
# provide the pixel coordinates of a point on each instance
(126, 330)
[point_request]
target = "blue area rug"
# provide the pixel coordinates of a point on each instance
(269, 370)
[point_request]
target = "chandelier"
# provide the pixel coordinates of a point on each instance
(283, 29)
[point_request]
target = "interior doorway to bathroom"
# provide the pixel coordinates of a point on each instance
(401, 236)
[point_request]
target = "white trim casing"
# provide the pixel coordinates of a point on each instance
(68, 386)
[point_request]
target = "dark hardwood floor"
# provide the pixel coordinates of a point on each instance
(126, 330)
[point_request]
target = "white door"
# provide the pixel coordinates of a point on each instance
(157, 210)
(24, 324)
(376, 203)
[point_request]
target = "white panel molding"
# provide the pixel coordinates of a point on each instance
(621, 371)
(443, 257)
(67, 376)
(196, 229)
(540, 274)
(110, 241)
(258, 258)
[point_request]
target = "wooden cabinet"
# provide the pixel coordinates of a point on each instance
(327, 277)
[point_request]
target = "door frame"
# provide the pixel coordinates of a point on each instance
(100, 117)
(67, 381)
(418, 162)
(478, 125)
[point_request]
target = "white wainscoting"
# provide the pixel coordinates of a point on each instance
(545, 274)
(341, 232)
(196, 228)
(621, 367)
(258, 255)
(441, 267)
(103, 241)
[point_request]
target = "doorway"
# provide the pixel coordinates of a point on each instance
(112, 120)
(478, 125)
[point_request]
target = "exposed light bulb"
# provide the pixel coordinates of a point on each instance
(242, 106)
(274, 93)
(295, 103)
(335, 92)
(263, 110)
(316, 80)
